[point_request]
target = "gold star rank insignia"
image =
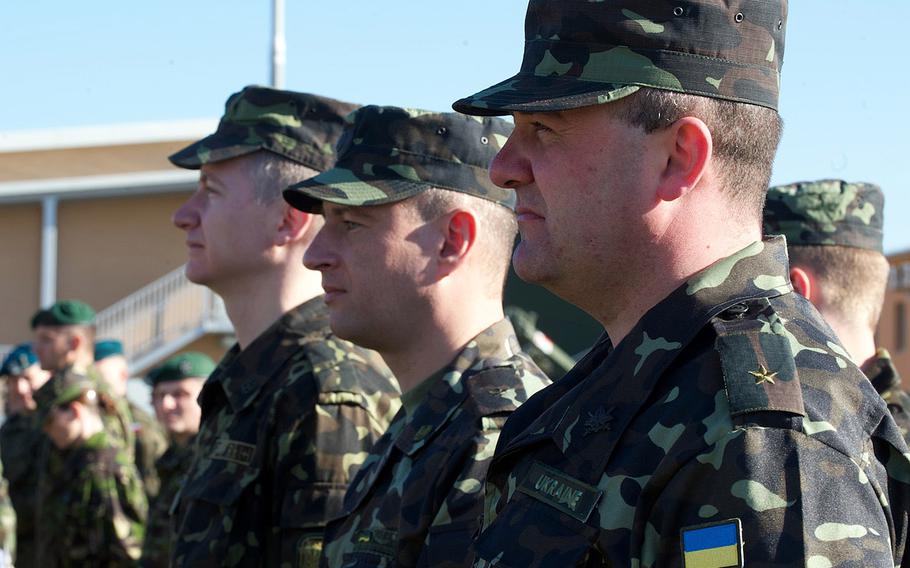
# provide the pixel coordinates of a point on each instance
(763, 375)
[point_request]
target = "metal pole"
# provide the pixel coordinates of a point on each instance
(48, 251)
(279, 47)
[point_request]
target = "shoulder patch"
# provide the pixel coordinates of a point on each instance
(713, 545)
(758, 363)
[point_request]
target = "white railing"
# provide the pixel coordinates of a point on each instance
(162, 317)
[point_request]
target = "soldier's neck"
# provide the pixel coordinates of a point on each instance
(254, 304)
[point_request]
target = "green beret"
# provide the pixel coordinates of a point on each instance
(64, 312)
(183, 366)
(826, 212)
(107, 348)
(62, 388)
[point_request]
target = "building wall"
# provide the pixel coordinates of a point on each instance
(109, 248)
(20, 251)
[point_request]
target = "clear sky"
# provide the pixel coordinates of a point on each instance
(845, 88)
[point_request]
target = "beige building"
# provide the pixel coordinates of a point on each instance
(86, 213)
(894, 326)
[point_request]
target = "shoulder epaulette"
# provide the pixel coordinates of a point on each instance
(488, 386)
(757, 360)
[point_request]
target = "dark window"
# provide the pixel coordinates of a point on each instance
(900, 326)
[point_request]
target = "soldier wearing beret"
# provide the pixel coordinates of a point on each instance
(7, 525)
(291, 409)
(97, 507)
(176, 385)
(64, 341)
(22, 443)
(150, 441)
(719, 421)
(834, 240)
(414, 254)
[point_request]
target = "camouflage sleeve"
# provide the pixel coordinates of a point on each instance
(315, 460)
(7, 525)
(798, 501)
(105, 525)
(448, 541)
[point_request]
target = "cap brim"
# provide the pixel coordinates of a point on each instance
(209, 150)
(530, 93)
(341, 187)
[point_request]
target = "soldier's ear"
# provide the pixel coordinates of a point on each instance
(460, 233)
(804, 283)
(292, 226)
(688, 145)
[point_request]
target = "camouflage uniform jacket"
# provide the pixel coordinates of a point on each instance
(285, 424)
(417, 499)
(21, 446)
(150, 444)
(99, 508)
(7, 525)
(728, 405)
(886, 380)
(171, 468)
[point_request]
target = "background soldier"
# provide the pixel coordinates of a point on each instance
(97, 505)
(413, 255)
(290, 410)
(150, 442)
(7, 526)
(834, 240)
(176, 385)
(22, 443)
(717, 423)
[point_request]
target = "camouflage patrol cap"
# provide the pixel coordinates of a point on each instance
(183, 366)
(64, 312)
(63, 387)
(387, 154)
(18, 360)
(826, 212)
(585, 52)
(299, 126)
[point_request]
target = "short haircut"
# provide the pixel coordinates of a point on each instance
(272, 173)
(745, 137)
(497, 227)
(852, 280)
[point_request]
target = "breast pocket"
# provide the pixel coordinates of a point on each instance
(218, 505)
(531, 534)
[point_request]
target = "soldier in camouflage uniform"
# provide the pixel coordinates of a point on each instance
(22, 443)
(176, 385)
(834, 240)
(150, 442)
(290, 411)
(719, 422)
(413, 255)
(97, 505)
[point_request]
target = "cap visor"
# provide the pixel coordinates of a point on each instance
(208, 150)
(530, 93)
(341, 187)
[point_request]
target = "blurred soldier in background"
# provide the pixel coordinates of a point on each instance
(834, 239)
(97, 505)
(22, 443)
(176, 385)
(7, 526)
(291, 410)
(150, 442)
(414, 255)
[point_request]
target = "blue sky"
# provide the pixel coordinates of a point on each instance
(845, 88)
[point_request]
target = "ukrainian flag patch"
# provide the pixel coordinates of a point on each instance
(713, 545)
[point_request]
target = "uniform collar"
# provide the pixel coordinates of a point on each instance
(241, 374)
(607, 388)
(494, 346)
(882, 373)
